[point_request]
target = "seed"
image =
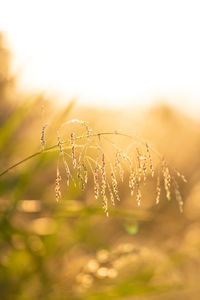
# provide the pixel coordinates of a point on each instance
(111, 195)
(105, 205)
(114, 183)
(150, 160)
(178, 195)
(96, 181)
(57, 188)
(181, 176)
(82, 184)
(139, 160)
(42, 139)
(144, 168)
(158, 190)
(132, 181)
(60, 145)
(139, 195)
(167, 179)
(118, 165)
(103, 177)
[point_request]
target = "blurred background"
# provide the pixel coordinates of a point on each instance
(131, 66)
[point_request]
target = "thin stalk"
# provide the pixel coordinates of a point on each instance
(57, 146)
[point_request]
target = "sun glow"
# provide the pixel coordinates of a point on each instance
(108, 52)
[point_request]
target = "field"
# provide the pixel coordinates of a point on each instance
(96, 204)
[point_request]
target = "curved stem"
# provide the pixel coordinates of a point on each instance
(20, 162)
(56, 146)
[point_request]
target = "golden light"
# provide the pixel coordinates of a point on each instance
(108, 52)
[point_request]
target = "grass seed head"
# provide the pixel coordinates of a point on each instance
(167, 179)
(132, 181)
(118, 165)
(96, 181)
(57, 187)
(139, 168)
(181, 176)
(105, 205)
(178, 195)
(138, 195)
(103, 177)
(150, 160)
(144, 168)
(114, 183)
(60, 144)
(158, 190)
(112, 199)
(42, 139)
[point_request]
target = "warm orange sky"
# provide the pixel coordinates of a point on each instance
(108, 52)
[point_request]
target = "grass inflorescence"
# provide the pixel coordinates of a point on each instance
(85, 154)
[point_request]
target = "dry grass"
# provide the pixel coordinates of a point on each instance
(107, 171)
(79, 154)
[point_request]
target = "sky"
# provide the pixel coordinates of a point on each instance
(111, 53)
